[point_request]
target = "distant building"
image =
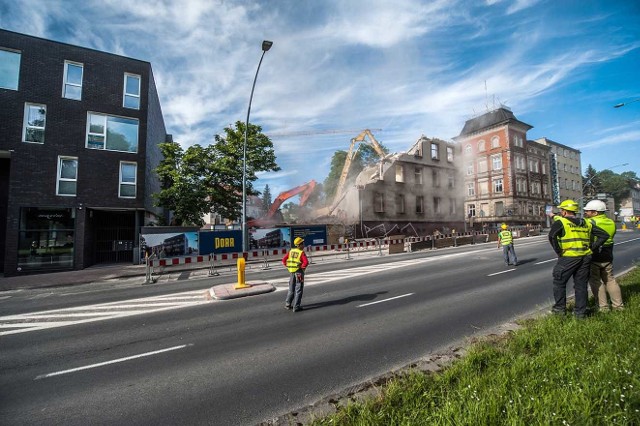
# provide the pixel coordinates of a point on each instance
(506, 176)
(566, 171)
(630, 207)
(413, 193)
(79, 135)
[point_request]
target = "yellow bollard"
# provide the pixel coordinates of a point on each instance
(624, 226)
(241, 283)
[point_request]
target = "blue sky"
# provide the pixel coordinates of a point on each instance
(407, 67)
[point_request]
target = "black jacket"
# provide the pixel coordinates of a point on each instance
(598, 235)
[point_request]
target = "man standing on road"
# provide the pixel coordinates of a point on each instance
(573, 240)
(296, 262)
(505, 238)
(602, 280)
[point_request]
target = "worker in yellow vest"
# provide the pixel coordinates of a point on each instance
(573, 240)
(602, 280)
(505, 239)
(296, 262)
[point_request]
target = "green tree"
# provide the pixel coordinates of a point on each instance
(200, 179)
(608, 182)
(364, 156)
(266, 199)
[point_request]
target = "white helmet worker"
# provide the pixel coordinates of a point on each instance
(595, 205)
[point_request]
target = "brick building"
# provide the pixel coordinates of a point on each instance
(506, 176)
(79, 135)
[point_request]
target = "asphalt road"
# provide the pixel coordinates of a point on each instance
(243, 361)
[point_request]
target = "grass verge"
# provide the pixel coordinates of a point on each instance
(553, 371)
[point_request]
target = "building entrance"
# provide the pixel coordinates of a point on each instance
(114, 236)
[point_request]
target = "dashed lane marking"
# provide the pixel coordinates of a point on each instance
(21, 323)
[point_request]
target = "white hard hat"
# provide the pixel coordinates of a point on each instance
(596, 205)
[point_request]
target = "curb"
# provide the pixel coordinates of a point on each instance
(228, 291)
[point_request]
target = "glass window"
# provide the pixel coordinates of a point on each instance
(435, 178)
(499, 206)
(9, 69)
(67, 176)
(34, 123)
(495, 142)
(497, 185)
(449, 154)
(471, 210)
(467, 150)
(128, 172)
(469, 168)
(482, 146)
(482, 165)
(452, 206)
(112, 133)
(132, 91)
(483, 187)
(435, 155)
(451, 176)
(46, 238)
(72, 87)
(471, 190)
(497, 162)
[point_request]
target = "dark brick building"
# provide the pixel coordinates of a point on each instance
(79, 135)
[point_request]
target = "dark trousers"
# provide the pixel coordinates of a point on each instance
(579, 268)
(296, 287)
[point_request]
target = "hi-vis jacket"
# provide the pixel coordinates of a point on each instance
(295, 260)
(605, 254)
(506, 237)
(575, 237)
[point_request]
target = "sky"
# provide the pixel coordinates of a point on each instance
(401, 68)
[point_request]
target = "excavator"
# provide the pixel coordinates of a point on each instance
(340, 190)
(268, 219)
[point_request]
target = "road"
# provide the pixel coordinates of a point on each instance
(180, 360)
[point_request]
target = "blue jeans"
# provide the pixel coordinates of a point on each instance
(509, 249)
(296, 287)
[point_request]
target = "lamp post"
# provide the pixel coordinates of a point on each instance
(266, 45)
(621, 104)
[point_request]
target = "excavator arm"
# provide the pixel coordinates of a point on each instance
(305, 190)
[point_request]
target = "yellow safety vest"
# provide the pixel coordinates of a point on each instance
(506, 237)
(294, 260)
(602, 221)
(576, 239)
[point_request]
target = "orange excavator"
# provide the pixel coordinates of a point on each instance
(268, 219)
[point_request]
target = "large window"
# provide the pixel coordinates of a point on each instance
(67, 176)
(437, 205)
(471, 210)
(496, 162)
(471, 189)
(378, 202)
(112, 133)
(435, 178)
(9, 69)
(495, 142)
(399, 173)
(72, 85)
(131, 91)
(451, 177)
(482, 165)
(417, 175)
(34, 123)
(128, 172)
(46, 238)
(449, 153)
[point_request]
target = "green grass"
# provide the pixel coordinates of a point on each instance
(553, 371)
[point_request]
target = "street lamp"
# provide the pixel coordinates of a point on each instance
(266, 45)
(626, 103)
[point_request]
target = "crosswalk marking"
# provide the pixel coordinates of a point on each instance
(21, 323)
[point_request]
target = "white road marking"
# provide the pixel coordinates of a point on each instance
(100, 364)
(21, 323)
(545, 261)
(501, 272)
(384, 300)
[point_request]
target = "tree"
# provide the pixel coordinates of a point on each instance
(365, 156)
(200, 179)
(266, 199)
(606, 181)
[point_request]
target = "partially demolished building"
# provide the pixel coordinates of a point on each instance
(414, 193)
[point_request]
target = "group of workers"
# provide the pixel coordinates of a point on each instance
(584, 247)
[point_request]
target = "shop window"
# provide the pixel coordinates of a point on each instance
(46, 239)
